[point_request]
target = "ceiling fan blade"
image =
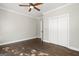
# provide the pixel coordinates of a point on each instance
(36, 4)
(23, 5)
(36, 8)
(29, 9)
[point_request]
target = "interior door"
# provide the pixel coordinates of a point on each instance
(53, 30)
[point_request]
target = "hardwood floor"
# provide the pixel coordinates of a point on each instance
(35, 47)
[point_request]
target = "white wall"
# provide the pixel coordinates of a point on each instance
(73, 11)
(38, 27)
(15, 27)
(46, 28)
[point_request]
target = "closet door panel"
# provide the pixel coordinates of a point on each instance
(53, 30)
(63, 30)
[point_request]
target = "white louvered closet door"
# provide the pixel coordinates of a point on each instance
(59, 29)
(53, 30)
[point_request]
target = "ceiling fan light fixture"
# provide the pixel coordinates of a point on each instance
(31, 7)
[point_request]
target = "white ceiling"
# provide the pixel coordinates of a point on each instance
(34, 13)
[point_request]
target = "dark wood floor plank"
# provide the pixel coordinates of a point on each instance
(35, 47)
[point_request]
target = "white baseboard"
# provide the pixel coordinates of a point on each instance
(17, 41)
(70, 47)
(51, 42)
(47, 41)
(73, 48)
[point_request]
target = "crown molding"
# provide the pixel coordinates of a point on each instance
(48, 12)
(9, 10)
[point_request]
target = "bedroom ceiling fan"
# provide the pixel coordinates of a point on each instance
(31, 6)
